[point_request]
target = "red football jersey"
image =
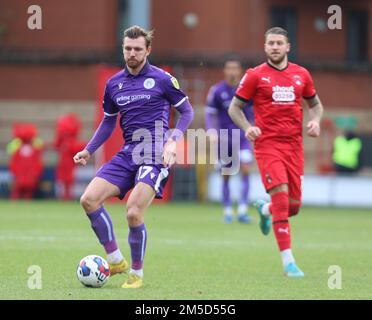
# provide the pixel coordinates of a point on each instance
(277, 98)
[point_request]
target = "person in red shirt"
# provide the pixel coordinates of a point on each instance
(26, 163)
(277, 87)
(67, 144)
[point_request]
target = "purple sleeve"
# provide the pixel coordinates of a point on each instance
(172, 91)
(211, 110)
(102, 133)
(109, 108)
(211, 120)
(187, 115)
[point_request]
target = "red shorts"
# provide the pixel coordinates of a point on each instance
(282, 166)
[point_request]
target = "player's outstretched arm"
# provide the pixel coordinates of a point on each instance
(316, 113)
(239, 118)
(102, 133)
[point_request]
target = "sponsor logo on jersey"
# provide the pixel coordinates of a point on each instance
(149, 83)
(283, 94)
(267, 79)
(122, 103)
(124, 100)
(175, 83)
(120, 85)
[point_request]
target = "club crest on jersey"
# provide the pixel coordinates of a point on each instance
(268, 178)
(149, 83)
(175, 83)
(297, 80)
(224, 95)
(283, 94)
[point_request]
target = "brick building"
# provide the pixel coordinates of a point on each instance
(48, 72)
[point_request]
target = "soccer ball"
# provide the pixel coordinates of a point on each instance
(93, 271)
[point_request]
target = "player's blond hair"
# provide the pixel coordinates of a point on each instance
(277, 30)
(135, 32)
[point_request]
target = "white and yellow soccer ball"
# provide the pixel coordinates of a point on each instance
(93, 271)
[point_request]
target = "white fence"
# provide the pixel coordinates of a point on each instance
(318, 190)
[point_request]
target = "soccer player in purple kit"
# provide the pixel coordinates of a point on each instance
(142, 94)
(216, 117)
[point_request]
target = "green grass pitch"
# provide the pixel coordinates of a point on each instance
(190, 254)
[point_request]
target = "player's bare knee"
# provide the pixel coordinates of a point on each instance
(226, 178)
(89, 203)
(133, 212)
(244, 170)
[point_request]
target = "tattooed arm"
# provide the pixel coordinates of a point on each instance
(239, 118)
(316, 113)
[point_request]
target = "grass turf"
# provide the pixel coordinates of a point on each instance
(190, 254)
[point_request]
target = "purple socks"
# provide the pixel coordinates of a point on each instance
(244, 190)
(102, 226)
(137, 241)
(226, 194)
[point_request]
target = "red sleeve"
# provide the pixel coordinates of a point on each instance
(247, 86)
(309, 90)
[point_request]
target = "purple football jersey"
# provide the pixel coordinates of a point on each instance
(142, 100)
(218, 101)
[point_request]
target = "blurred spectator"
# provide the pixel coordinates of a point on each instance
(346, 152)
(25, 163)
(67, 145)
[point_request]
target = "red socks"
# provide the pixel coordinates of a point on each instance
(280, 212)
(294, 208)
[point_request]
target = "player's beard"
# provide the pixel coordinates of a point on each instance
(277, 59)
(134, 63)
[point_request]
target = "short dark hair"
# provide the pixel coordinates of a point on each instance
(277, 30)
(135, 32)
(232, 57)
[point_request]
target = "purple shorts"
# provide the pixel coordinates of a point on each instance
(125, 174)
(243, 153)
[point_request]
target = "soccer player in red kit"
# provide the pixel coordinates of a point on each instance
(277, 87)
